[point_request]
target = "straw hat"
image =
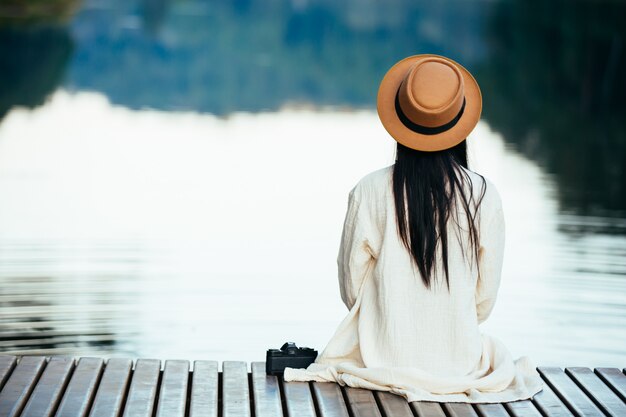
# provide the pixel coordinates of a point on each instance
(429, 102)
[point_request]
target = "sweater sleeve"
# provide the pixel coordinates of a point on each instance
(355, 255)
(490, 258)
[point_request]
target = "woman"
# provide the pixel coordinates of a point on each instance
(421, 255)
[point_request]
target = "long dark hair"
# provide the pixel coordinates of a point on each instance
(425, 187)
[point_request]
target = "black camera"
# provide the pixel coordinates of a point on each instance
(288, 356)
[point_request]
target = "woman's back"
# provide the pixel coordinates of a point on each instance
(407, 317)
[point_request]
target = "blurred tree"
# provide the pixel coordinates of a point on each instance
(552, 86)
(154, 13)
(37, 58)
(19, 12)
(35, 46)
(254, 55)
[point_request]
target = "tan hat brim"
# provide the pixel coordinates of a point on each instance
(424, 142)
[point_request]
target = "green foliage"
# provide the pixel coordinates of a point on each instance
(20, 12)
(552, 86)
(34, 64)
(550, 71)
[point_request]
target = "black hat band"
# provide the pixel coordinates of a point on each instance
(425, 130)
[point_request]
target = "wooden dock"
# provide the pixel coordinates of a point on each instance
(38, 386)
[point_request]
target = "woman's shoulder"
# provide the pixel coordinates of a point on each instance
(373, 184)
(377, 184)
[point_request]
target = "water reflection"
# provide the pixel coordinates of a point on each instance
(220, 244)
(552, 86)
(33, 65)
(50, 306)
(254, 55)
(25, 12)
(130, 231)
(550, 78)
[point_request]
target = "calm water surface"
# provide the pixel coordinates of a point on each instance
(156, 234)
(174, 173)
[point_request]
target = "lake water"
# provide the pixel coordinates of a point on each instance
(174, 174)
(159, 234)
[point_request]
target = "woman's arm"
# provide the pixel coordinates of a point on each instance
(490, 257)
(355, 253)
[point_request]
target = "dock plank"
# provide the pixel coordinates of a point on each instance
(112, 388)
(298, 398)
(7, 363)
(569, 392)
(173, 394)
(81, 389)
(37, 386)
(235, 389)
(204, 389)
(615, 379)
(266, 392)
(427, 408)
(393, 404)
(143, 388)
(49, 389)
(491, 410)
(550, 404)
(20, 384)
(361, 402)
(459, 410)
(522, 408)
(597, 390)
(329, 399)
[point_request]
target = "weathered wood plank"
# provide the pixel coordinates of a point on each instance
(600, 393)
(522, 408)
(549, 403)
(427, 408)
(491, 410)
(112, 388)
(49, 390)
(298, 398)
(235, 389)
(7, 363)
(361, 402)
(567, 390)
(20, 384)
(143, 388)
(614, 378)
(459, 410)
(266, 392)
(204, 389)
(81, 389)
(173, 394)
(329, 399)
(33, 387)
(393, 404)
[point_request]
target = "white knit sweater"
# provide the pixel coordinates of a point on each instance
(402, 337)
